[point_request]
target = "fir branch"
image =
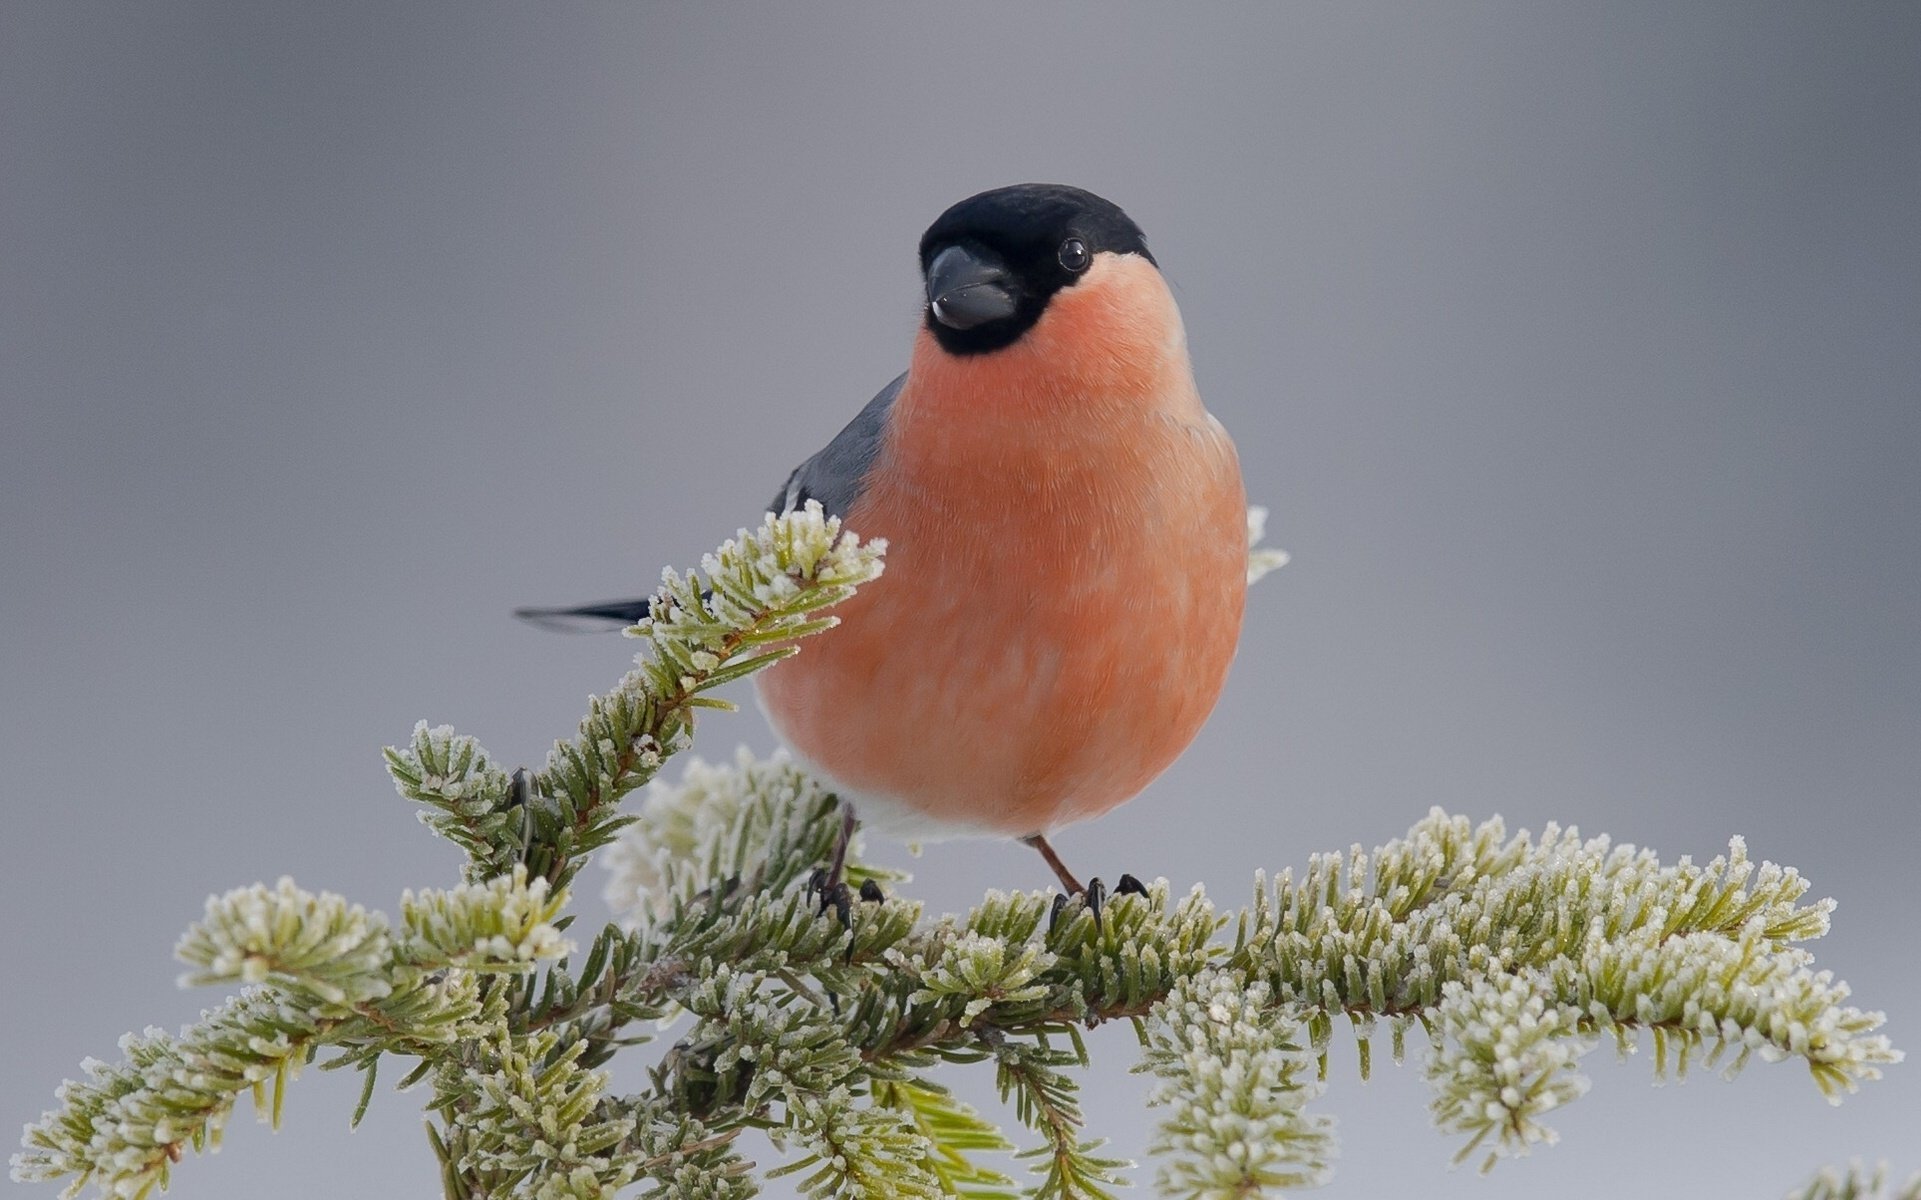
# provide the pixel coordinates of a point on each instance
(981, 972)
(762, 823)
(470, 801)
(1858, 1182)
(1236, 1080)
(1513, 954)
(1127, 961)
(1431, 927)
(505, 924)
(525, 1118)
(1046, 1099)
(953, 1131)
(589, 1005)
(770, 1055)
(125, 1125)
(1502, 1059)
(681, 1159)
(741, 612)
(1612, 940)
(854, 1151)
(751, 600)
(316, 945)
(331, 975)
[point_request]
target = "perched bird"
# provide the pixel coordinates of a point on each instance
(1067, 540)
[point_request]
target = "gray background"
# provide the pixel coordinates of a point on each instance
(1574, 348)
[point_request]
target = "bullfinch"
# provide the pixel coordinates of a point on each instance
(1067, 541)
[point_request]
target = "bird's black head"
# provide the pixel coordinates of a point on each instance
(993, 261)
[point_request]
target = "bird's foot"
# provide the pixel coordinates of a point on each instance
(1094, 898)
(835, 894)
(832, 892)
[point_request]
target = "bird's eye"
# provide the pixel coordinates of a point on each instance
(1074, 255)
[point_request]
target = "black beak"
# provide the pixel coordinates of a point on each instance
(966, 288)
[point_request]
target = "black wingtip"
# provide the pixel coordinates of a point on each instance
(586, 618)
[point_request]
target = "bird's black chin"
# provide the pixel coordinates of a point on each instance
(968, 288)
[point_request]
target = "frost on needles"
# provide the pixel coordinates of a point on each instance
(1510, 956)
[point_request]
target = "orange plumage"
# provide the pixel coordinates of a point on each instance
(1066, 573)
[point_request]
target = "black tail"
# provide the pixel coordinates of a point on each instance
(587, 618)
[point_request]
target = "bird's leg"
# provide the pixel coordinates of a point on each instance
(1068, 882)
(837, 866)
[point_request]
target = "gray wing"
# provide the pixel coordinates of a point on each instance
(835, 475)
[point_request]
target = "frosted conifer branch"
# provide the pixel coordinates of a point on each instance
(1513, 954)
(317, 945)
(866, 1153)
(682, 1159)
(983, 971)
(724, 822)
(1046, 1099)
(1607, 939)
(1505, 1056)
(953, 1131)
(469, 799)
(332, 975)
(124, 1126)
(1236, 1080)
(742, 611)
(526, 1119)
(1516, 952)
(504, 924)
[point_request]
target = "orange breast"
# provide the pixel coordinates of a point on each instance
(1065, 575)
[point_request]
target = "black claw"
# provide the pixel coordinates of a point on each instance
(1130, 886)
(833, 894)
(1094, 897)
(1055, 910)
(842, 901)
(870, 892)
